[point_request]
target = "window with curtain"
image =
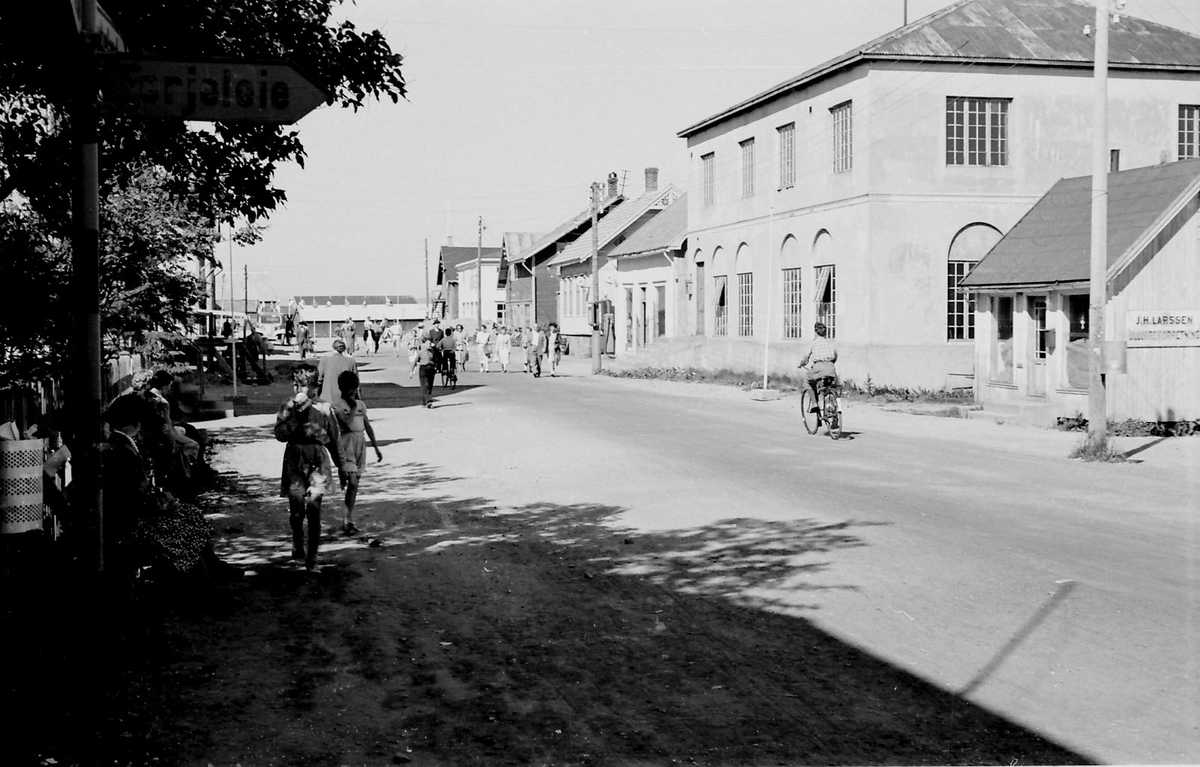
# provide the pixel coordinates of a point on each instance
(791, 303)
(826, 299)
(719, 305)
(746, 304)
(1002, 340)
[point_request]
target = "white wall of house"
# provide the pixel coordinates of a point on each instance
(647, 285)
(469, 294)
(888, 223)
(574, 292)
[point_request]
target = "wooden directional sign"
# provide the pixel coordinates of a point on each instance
(212, 91)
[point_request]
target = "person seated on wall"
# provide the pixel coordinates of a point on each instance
(146, 526)
(176, 447)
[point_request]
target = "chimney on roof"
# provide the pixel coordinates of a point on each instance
(612, 184)
(651, 180)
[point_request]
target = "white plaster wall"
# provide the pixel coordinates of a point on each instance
(894, 214)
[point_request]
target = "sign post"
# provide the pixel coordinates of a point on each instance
(212, 91)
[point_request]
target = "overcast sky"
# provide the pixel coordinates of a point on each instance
(516, 106)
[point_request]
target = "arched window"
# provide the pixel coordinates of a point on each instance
(789, 264)
(966, 249)
(825, 277)
(720, 299)
(744, 268)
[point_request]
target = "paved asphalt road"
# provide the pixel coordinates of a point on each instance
(1062, 595)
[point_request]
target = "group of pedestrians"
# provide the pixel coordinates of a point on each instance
(325, 425)
(434, 350)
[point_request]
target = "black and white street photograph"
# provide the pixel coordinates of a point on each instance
(555, 383)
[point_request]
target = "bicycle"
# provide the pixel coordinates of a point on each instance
(826, 408)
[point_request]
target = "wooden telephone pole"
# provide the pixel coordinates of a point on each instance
(595, 279)
(479, 278)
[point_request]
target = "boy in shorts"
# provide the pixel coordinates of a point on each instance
(351, 414)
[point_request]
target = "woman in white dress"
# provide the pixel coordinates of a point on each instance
(503, 348)
(483, 340)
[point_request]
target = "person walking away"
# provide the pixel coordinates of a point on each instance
(448, 363)
(820, 359)
(426, 369)
(353, 423)
(311, 432)
(503, 348)
(483, 344)
(289, 330)
(330, 367)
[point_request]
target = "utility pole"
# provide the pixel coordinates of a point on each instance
(1097, 285)
(595, 279)
(232, 318)
(246, 289)
(479, 278)
(428, 308)
(86, 390)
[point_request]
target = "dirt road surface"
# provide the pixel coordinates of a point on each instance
(613, 572)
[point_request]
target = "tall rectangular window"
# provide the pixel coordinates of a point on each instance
(826, 299)
(746, 304)
(720, 302)
(747, 167)
(709, 165)
(1078, 369)
(1189, 131)
(843, 137)
(960, 305)
(791, 303)
(976, 131)
(660, 310)
(787, 155)
(1002, 342)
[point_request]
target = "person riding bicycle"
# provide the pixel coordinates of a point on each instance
(820, 358)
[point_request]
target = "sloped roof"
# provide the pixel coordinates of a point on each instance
(616, 223)
(567, 229)
(1035, 32)
(666, 231)
(1052, 243)
(451, 257)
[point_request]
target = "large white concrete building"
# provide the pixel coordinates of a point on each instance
(863, 190)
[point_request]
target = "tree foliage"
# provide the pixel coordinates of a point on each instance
(165, 182)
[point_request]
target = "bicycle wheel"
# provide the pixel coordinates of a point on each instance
(808, 410)
(833, 416)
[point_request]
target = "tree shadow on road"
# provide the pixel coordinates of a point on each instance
(471, 632)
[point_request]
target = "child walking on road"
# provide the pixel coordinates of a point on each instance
(311, 432)
(351, 414)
